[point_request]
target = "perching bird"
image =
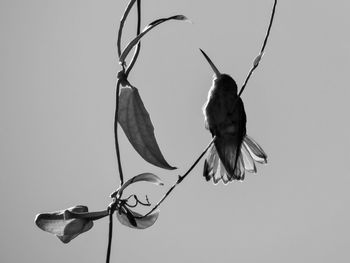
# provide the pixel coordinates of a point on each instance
(233, 151)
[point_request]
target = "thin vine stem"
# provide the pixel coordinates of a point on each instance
(116, 133)
(270, 25)
(110, 235)
(121, 26)
(133, 60)
(138, 47)
(122, 21)
(179, 180)
(261, 51)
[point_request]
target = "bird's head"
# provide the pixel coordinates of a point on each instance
(224, 81)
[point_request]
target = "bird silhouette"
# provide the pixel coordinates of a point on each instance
(233, 152)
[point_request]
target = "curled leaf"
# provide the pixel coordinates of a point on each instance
(136, 123)
(141, 222)
(146, 177)
(61, 224)
(146, 29)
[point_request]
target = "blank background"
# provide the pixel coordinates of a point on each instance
(58, 68)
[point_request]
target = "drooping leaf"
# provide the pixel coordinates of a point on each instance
(136, 123)
(141, 223)
(146, 29)
(146, 177)
(62, 225)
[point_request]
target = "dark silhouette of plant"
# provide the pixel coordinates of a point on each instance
(135, 121)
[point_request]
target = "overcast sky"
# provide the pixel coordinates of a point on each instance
(58, 68)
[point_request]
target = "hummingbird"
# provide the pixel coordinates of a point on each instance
(233, 152)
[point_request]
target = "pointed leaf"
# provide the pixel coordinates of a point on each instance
(146, 29)
(136, 123)
(146, 177)
(61, 224)
(141, 223)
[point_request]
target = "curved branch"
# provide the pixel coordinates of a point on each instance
(116, 132)
(181, 178)
(121, 26)
(152, 25)
(138, 47)
(269, 28)
(257, 60)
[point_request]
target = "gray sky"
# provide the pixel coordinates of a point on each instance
(57, 82)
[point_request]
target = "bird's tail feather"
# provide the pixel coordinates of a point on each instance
(232, 166)
(255, 150)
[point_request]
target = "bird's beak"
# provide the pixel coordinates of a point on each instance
(216, 71)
